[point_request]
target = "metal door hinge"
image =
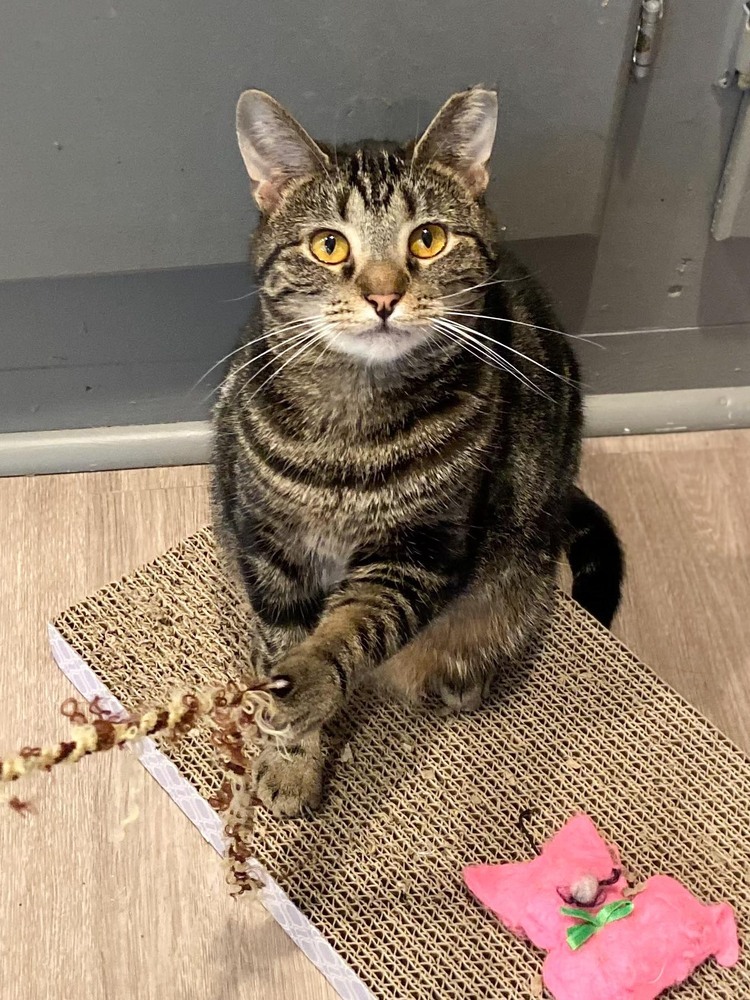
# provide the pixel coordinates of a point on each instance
(738, 74)
(646, 37)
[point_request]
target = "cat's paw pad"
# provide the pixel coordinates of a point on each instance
(289, 781)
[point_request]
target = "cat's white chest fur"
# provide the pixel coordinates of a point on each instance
(330, 558)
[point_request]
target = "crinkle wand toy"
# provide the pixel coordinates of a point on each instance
(239, 714)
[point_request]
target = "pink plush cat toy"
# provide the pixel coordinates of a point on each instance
(602, 945)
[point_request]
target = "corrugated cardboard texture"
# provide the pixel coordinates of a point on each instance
(415, 795)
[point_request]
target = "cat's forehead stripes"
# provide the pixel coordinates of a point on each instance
(375, 175)
(375, 232)
(375, 202)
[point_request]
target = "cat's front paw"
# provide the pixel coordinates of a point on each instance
(308, 692)
(289, 780)
(462, 694)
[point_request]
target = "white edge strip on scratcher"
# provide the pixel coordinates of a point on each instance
(341, 977)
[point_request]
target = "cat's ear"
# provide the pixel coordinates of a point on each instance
(275, 148)
(461, 135)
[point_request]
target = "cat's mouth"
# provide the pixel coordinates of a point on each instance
(381, 341)
(385, 328)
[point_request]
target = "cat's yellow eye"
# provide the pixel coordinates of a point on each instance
(428, 240)
(329, 247)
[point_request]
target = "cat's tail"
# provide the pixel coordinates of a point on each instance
(595, 557)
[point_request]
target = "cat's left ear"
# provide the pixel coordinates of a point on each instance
(461, 135)
(275, 147)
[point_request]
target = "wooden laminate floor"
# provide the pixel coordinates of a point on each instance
(88, 908)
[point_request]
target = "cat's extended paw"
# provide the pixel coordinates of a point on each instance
(310, 695)
(464, 695)
(290, 780)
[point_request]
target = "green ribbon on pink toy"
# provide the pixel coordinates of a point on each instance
(579, 934)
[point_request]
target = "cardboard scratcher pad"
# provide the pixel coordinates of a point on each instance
(413, 795)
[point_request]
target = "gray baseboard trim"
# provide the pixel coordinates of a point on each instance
(97, 448)
(664, 412)
(142, 446)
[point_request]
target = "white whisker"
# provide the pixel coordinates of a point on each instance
(467, 332)
(275, 330)
(304, 337)
(473, 348)
(221, 361)
(485, 356)
(518, 322)
(249, 343)
(241, 297)
(288, 345)
(468, 335)
(520, 354)
(290, 342)
(471, 288)
(329, 343)
(485, 284)
(319, 335)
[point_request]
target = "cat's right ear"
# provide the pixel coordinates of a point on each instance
(275, 148)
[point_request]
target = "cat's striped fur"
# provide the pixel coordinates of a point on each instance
(395, 497)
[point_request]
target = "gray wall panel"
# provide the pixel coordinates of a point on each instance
(116, 349)
(121, 113)
(122, 159)
(658, 265)
(732, 216)
(101, 396)
(662, 360)
(110, 319)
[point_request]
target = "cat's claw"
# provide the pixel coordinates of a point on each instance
(307, 695)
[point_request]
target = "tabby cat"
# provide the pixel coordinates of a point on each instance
(397, 436)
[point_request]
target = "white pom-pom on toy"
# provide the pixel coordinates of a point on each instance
(585, 890)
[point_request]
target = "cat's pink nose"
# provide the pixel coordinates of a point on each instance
(383, 304)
